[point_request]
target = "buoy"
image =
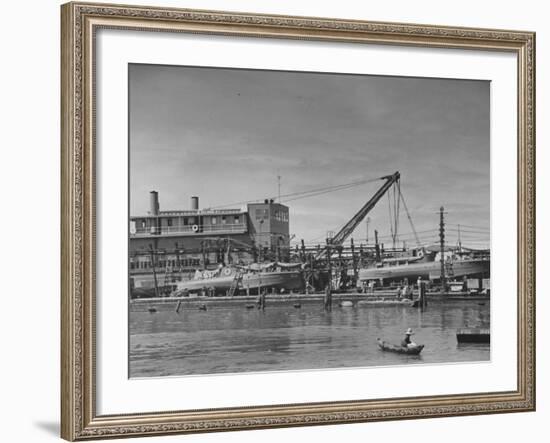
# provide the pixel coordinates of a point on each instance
(250, 306)
(297, 305)
(346, 304)
(152, 310)
(202, 307)
(195, 228)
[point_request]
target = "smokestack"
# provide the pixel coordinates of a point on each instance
(195, 203)
(154, 203)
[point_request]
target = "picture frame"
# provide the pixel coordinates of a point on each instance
(79, 178)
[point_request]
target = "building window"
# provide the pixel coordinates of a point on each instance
(191, 220)
(214, 220)
(169, 221)
(224, 220)
(237, 219)
(143, 224)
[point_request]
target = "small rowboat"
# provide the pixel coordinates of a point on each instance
(410, 350)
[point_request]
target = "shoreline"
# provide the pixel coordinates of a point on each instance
(385, 298)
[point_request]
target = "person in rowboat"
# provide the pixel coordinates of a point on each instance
(407, 342)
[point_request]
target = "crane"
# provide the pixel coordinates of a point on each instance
(350, 226)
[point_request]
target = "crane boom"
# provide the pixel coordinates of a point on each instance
(350, 226)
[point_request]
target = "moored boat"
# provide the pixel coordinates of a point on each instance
(473, 335)
(424, 265)
(252, 278)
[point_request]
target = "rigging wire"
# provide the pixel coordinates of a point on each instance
(397, 197)
(391, 224)
(304, 194)
(410, 219)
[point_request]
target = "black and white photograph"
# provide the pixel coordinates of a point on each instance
(285, 220)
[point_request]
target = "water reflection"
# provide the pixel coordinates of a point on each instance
(235, 339)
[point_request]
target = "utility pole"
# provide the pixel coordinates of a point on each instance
(367, 222)
(442, 248)
(260, 242)
(376, 245)
(303, 260)
(279, 186)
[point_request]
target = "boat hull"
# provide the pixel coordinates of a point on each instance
(473, 335)
(251, 282)
(411, 350)
(425, 270)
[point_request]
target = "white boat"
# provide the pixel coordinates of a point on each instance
(424, 266)
(252, 278)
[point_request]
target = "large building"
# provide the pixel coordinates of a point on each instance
(202, 238)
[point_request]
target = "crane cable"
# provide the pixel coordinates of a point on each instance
(305, 194)
(410, 219)
(394, 214)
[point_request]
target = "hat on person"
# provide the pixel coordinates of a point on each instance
(409, 332)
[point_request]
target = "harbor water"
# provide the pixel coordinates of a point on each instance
(233, 338)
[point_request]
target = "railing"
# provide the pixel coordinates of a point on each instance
(189, 230)
(197, 212)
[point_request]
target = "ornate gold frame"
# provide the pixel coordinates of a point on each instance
(79, 420)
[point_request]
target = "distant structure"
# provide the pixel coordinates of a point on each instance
(202, 238)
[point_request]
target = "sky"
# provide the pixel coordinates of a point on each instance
(226, 134)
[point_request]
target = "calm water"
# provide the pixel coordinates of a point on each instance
(233, 339)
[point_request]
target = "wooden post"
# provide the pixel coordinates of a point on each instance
(354, 263)
(328, 297)
(422, 295)
(329, 264)
(178, 263)
(203, 250)
(154, 270)
(376, 245)
(311, 274)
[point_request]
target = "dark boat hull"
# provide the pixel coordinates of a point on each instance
(387, 347)
(473, 335)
